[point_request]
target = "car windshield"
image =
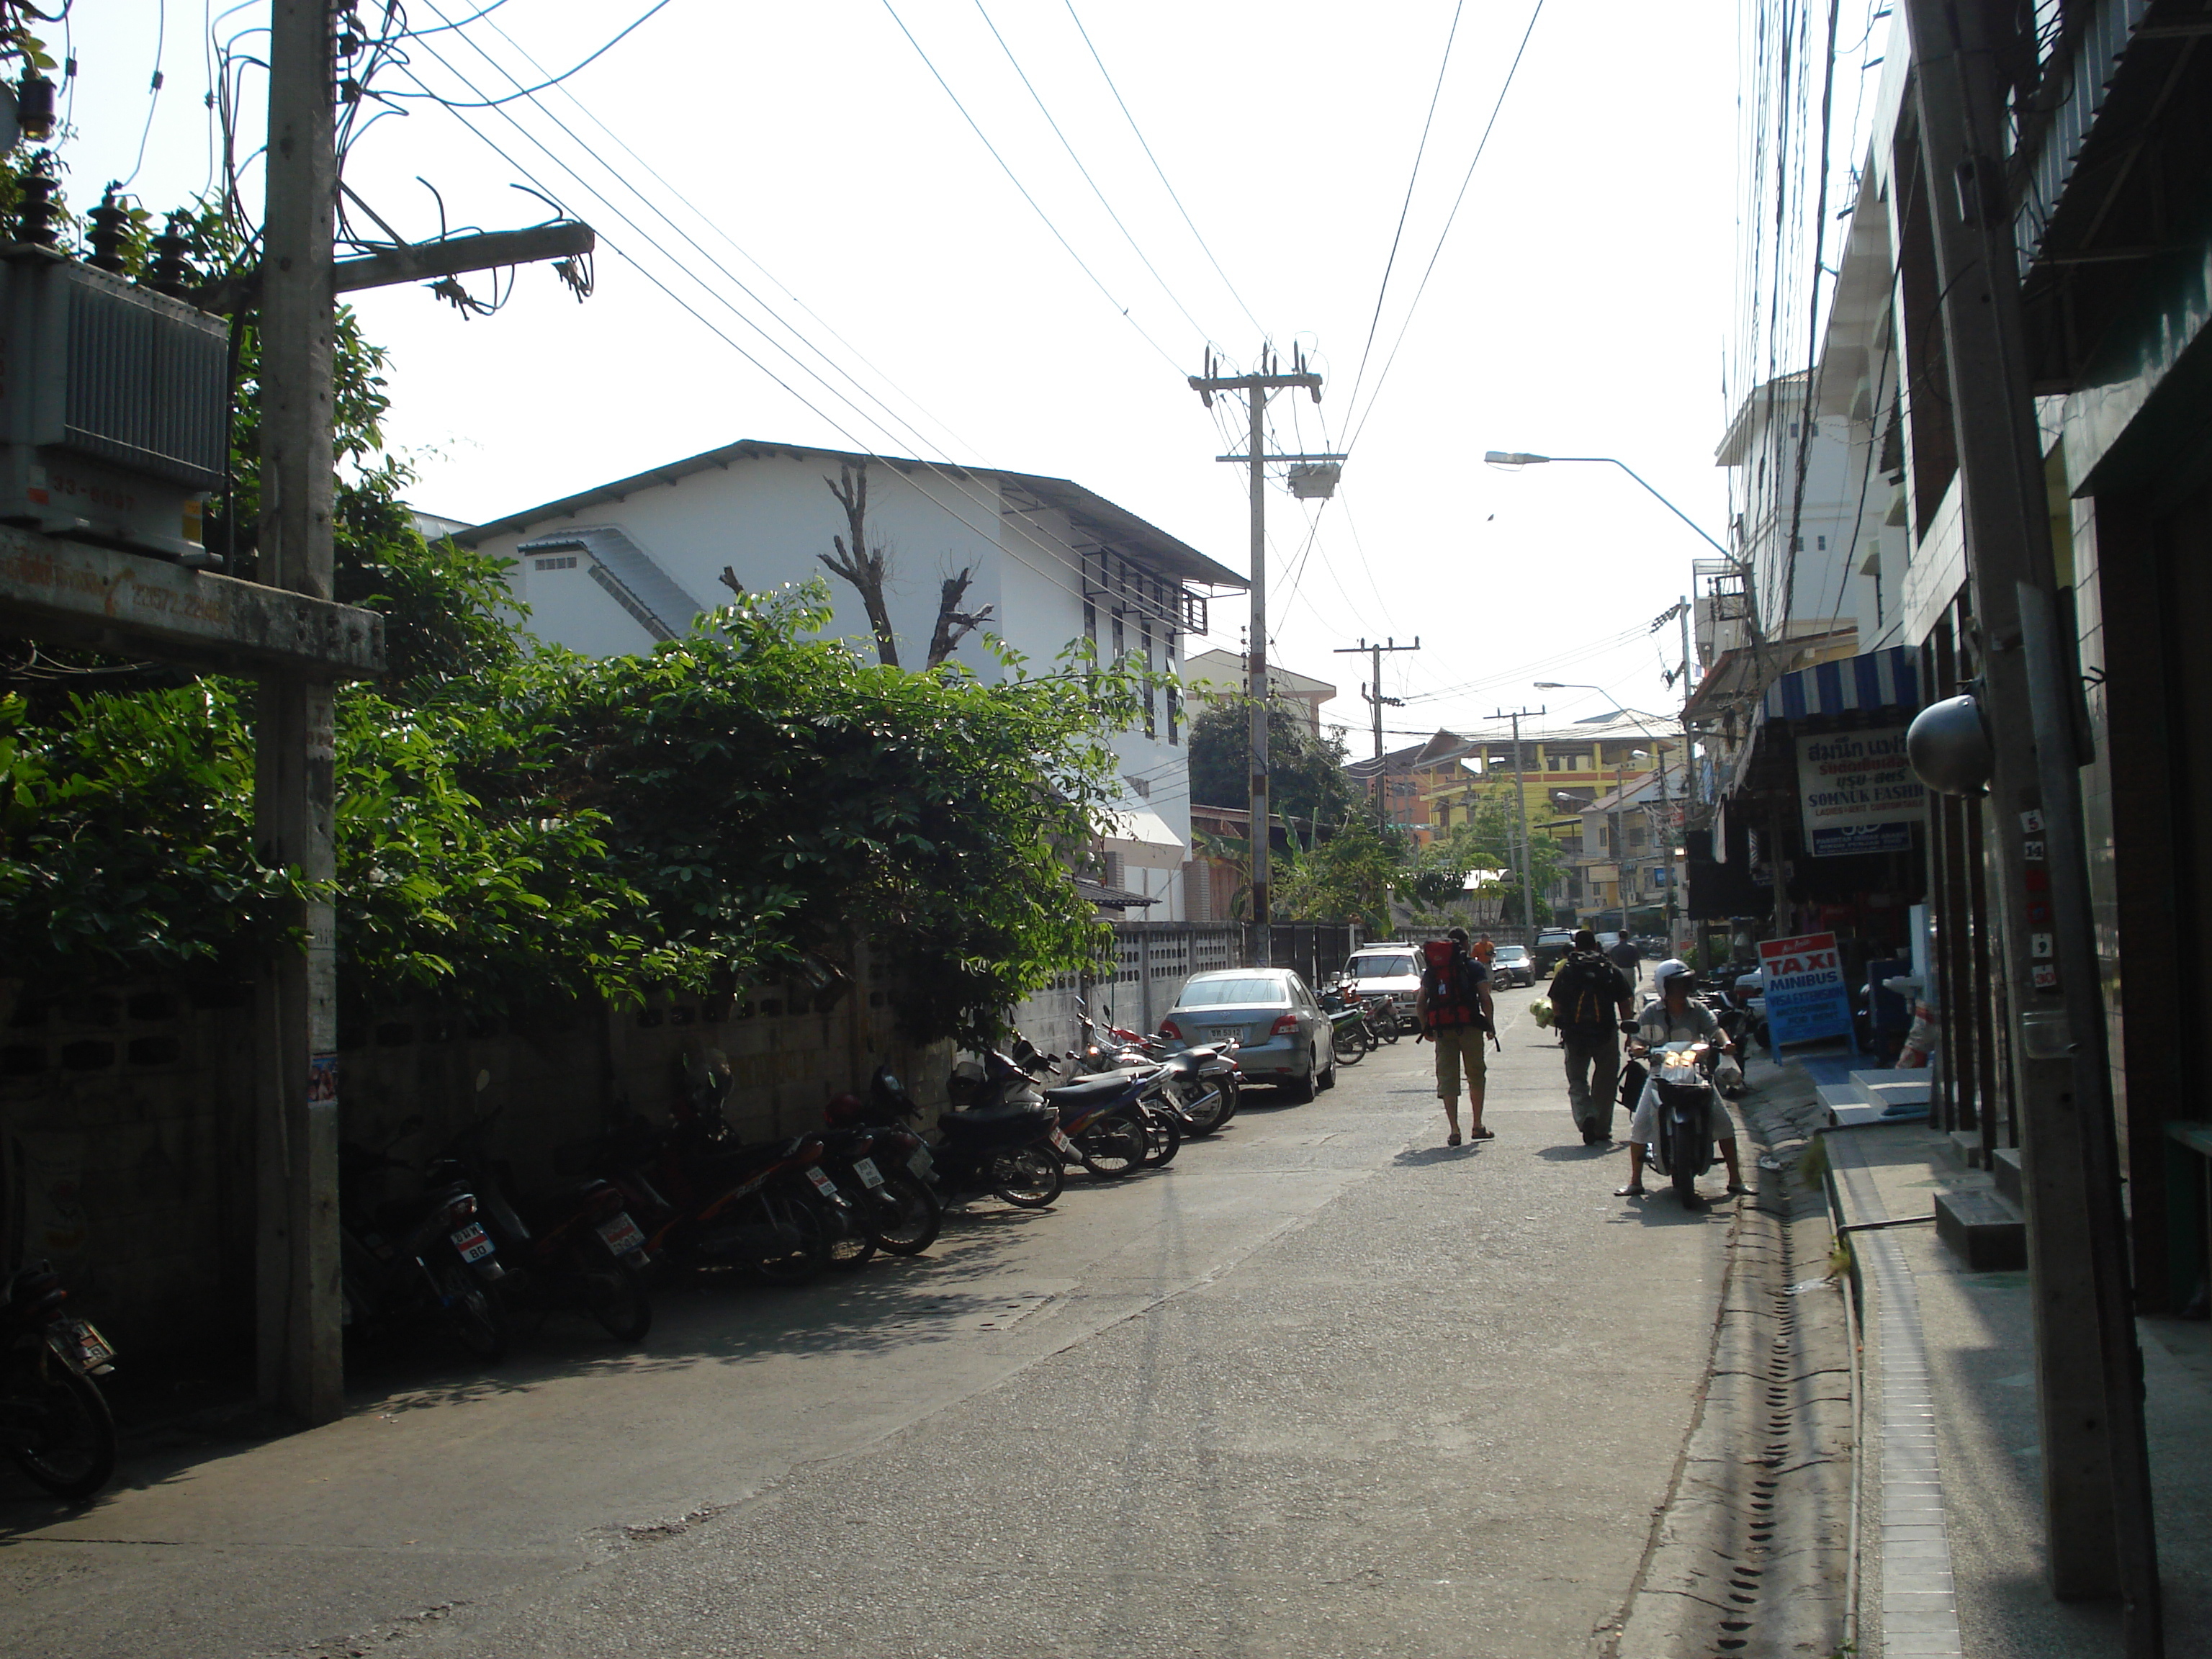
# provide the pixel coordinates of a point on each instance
(1512, 952)
(1218, 993)
(1391, 967)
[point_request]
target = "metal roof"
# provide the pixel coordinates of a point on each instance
(1091, 515)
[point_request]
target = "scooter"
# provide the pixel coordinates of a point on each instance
(1013, 1150)
(427, 1255)
(1681, 1147)
(54, 1422)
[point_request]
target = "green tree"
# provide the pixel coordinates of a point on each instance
(1490, 839)
(1348, 876)
(1305, 775)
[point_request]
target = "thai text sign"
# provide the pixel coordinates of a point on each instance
(1806, 997)
(1858, 793)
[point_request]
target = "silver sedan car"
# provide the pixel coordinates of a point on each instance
(1286, 1038)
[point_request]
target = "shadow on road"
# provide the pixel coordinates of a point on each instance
(718, 1320)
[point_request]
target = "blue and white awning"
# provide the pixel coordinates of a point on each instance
(1862, 684)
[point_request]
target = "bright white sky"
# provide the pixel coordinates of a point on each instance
(1580, 306)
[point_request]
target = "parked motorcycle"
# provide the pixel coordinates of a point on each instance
(1202, 1086)
(427, 1256)
(1105, 1116)
(1351, 1039)
(578, 1251)
(1013, 1150)
(54, 1421)
(898, 1211)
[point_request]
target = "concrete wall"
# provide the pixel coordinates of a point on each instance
(126, 1117)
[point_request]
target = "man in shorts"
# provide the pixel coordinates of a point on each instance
(1454, 1009)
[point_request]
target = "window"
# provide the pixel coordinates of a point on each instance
(1222, 993)
(564, 562)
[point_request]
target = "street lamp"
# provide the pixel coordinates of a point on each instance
(1514, 457)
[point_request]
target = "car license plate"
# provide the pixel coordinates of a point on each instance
(620, 1234)
(866, 1168)
(1063, 1146)
(472, 1242)
(921, 1164)
(92, 1348)
(1223, 1033)
(822, 1184)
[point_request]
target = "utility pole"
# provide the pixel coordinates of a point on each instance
(1375, 697)
(297, 1357)
(1257, 689)
(2098, 1530)
(1521, 814)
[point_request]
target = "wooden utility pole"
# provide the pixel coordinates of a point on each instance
(294, 786)
(1521, 815)
(298, 1296)
(1377, 700)
(1256, 388)
(2097, 1504)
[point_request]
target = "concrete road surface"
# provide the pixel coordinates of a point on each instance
(1323, 1388)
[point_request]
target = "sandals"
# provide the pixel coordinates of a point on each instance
(1634, 1189)
(1737, 1189)
(1482, 1134)
(1453, 1141)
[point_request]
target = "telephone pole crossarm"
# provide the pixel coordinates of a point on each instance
(1375, 697)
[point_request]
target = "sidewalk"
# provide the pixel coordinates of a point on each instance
(1951, 1553)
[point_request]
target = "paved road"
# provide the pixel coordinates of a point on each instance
(1323, 1388)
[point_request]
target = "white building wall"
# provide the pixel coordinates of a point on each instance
(768, 519)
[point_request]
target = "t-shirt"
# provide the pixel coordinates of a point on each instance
(1692, 1025)
(1626, 956)
(1483, 952)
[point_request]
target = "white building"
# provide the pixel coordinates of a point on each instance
(616, 567)
(1213, 676)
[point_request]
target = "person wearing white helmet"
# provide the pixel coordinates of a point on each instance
(1671, 1017)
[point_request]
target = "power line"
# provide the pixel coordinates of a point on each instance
(1156, 168)
(530, 92)
(1095, 281)
(1405, 206)
(1483, 144)
(1126, 236)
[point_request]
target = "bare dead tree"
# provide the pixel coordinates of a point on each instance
(954, 624)
(857, 562)
(729, 579)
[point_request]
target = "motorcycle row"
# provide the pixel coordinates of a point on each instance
(462, 1252)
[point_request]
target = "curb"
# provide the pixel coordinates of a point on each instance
(1749, 1555)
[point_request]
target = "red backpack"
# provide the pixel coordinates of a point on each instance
(1448, 982)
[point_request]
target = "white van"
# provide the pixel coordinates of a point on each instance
(1389, 971)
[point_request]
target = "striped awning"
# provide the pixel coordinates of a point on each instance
(1865, 684)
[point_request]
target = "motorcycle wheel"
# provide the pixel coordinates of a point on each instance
(1387, 1030)
(63, 1435)
(804, 1215)
(1162, 1137)
(1351, 1045)
(1682, 1165)
(1028, 1177)
(474, 1312)
(613, 1290)
(851, 1238)
(913, 1227)
(1207, 1119)
(1116, 1147)
(1233, 1090)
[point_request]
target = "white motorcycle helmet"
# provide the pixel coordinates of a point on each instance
(1673, 968)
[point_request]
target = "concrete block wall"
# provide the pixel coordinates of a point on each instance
(126, 1118)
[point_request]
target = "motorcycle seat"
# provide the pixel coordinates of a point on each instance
(1090, 1090)
(997, 1122)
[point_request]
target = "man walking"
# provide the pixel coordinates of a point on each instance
(1589, 998)
(1455, 1013)
(1625, 957)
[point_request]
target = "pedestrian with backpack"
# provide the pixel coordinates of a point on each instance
(1455, 1013)
(1589, 998)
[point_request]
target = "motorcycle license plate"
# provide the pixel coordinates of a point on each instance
(866, 1168)
(822, 1184)
(92, 1348)
(1063, 1146)
(919, 1163)
(472, 1242)
(620, 1234)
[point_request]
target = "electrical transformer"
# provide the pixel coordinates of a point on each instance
(113, 404)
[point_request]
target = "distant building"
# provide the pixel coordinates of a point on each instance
(1212, 676)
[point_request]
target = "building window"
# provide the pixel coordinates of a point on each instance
(1151, 717)
(565, 561)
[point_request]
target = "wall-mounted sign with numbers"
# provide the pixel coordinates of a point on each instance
(1857, 792)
